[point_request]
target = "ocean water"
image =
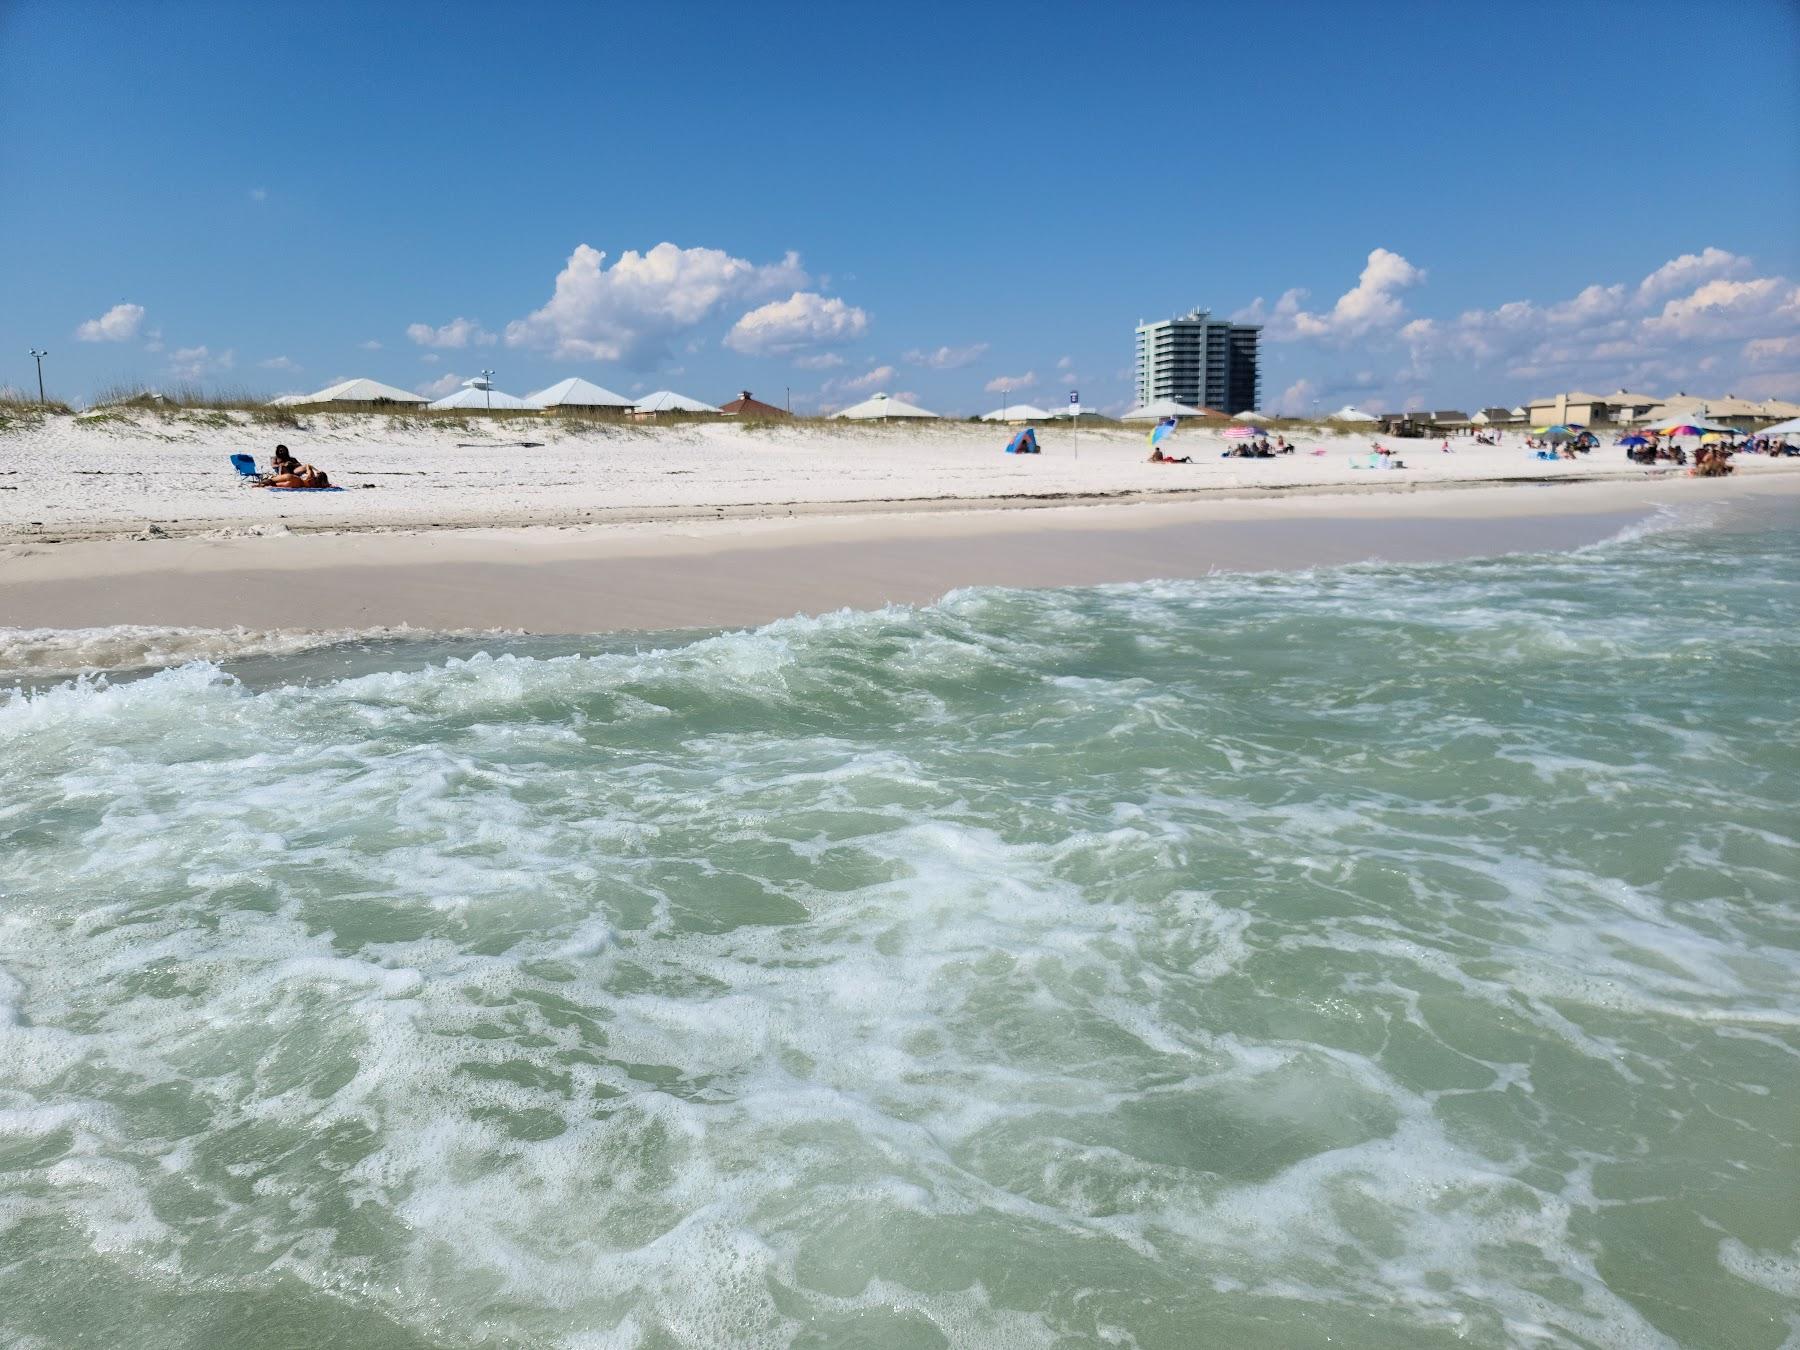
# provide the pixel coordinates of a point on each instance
(1379, 956)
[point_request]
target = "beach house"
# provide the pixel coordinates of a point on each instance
(745, 406)
(1580, 410)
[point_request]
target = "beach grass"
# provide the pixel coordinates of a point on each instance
(18, 412)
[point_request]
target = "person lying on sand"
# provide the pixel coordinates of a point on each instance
(303, 476)
(1158, 457)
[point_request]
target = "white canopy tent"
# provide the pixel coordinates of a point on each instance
(1017, 412)
(880, 409)
(362, 391)
(481, 396)
(1351, 413)
(1161, 408)
(576, 392)
(668, 401)
(1791, 427)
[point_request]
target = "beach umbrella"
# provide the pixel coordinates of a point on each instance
(1558, 432)
(1241, 433)
(1162, 431)
(1634, 441)
(1692, 426)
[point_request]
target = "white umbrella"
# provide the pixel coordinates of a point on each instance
(1791, 427)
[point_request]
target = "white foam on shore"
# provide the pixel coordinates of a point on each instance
(49, 653)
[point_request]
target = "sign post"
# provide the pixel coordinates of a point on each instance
(1075, 420)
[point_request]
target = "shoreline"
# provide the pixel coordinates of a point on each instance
(714, 573)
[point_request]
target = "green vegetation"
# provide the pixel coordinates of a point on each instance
(19, 413)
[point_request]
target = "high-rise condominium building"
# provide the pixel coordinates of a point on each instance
(1200, 361)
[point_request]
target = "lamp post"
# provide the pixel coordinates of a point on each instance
(487, 379)
(38, 356)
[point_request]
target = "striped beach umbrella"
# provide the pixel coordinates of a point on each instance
(1241, 433)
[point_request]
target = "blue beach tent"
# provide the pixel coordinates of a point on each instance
(1025, 443)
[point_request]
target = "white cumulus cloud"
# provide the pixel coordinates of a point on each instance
(1372, 305)
(631, 310)
(1770, 351)
(1298, 398)
(278, 363)
(872, 379)
(459, 332)
(805, 319)
(1731, 309)
(118, 324)
(191, 363)
(1006, 384)
(1689, 270)
(946, 358)
(449, 384)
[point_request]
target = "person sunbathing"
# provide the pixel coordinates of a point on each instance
(1158, 457)
(284, 462)
(303, 476)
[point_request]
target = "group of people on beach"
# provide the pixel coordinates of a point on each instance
(287, 472)
(1259, 448)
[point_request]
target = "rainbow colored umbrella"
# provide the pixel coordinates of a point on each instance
(1693, 427)
(1559, 432)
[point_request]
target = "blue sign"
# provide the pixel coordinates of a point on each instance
(1075, 397)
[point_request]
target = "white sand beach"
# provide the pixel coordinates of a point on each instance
(134, 538)
(155, 473)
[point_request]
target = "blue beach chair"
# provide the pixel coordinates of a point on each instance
(244, 464)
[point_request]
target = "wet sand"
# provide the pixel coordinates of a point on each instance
(704, 574)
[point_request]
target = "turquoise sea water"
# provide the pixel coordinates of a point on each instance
(1382, 956)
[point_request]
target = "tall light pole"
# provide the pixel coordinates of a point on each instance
(487, 378)
(38, 356)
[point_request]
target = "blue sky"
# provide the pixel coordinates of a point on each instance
(1437, 203)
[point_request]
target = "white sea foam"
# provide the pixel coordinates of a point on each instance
(1339, 962)
(36, 653)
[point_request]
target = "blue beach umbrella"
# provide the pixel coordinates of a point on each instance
(1162, 431)
(1634, 441)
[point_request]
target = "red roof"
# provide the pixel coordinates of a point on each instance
(743, 404)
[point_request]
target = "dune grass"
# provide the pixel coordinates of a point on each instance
(18, 412)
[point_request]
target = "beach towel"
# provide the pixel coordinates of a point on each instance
(333, 488)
